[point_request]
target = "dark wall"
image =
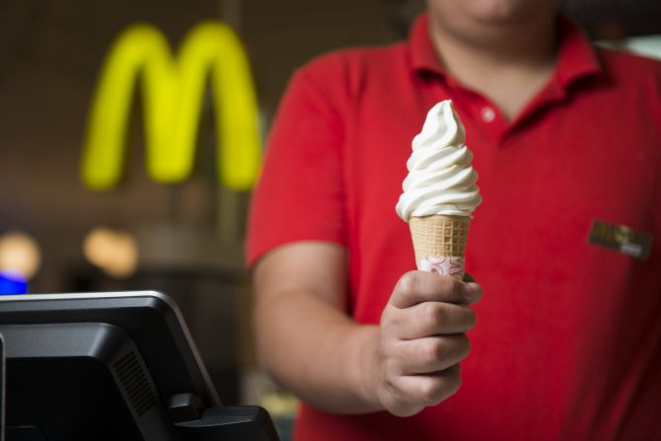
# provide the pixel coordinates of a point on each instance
(50, 55)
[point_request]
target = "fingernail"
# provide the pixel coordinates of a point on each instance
(473, 291)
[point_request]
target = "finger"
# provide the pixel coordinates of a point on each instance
(433, 318)
(417, 287)
(431, 354)
(429, 390)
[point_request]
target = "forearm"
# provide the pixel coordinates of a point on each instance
(317, 352)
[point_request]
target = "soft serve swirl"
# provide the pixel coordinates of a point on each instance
(441, 179)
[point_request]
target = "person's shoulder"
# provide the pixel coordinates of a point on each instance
(636, 80)
(350, 66)
(354, 57)
(626, 65)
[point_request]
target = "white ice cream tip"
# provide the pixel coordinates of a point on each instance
(441, 179)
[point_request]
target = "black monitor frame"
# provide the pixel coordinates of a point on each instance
(143, 332)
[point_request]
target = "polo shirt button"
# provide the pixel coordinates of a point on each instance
(487, 114)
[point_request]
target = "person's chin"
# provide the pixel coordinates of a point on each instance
(502, 12)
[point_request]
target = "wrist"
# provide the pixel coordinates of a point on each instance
(365, 368)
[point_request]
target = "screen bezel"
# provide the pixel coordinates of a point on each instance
(107, 307)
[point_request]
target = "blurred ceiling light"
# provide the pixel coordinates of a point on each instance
(647, 45)
(19, 254)
(114, 252)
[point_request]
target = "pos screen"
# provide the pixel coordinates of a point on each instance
(118, 366)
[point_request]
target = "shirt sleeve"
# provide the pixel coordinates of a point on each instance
(300, 194)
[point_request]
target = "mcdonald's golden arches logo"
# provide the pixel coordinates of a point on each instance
(173, 88)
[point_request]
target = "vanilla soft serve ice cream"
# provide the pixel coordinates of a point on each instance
(441, 179)
(440, 193)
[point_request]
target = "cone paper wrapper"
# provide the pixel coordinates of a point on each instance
(439, 242)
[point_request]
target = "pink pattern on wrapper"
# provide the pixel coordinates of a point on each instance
(445, 265)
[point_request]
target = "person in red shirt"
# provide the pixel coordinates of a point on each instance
(567, 142)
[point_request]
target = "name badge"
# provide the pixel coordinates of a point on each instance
(621, 238)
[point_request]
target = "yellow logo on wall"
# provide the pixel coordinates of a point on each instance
(173, 90)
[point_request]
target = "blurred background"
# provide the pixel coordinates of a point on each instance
(185, 238)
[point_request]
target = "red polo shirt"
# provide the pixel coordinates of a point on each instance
(568, 339)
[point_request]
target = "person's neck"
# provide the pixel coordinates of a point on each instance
(509, 66)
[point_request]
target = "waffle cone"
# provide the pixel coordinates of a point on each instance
(439, 242)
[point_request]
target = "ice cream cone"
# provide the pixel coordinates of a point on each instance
(440, 192)
(439, 242)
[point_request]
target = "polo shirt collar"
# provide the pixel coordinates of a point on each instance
(576, 56)
(423, 53)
